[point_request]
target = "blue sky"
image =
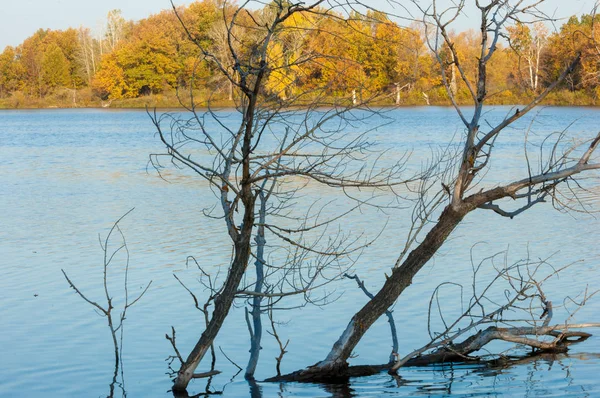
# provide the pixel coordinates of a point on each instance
(21, 18)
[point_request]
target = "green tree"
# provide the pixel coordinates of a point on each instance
(68, 41)
(55, 69)
(144, 64)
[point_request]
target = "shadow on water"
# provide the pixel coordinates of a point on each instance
(207, 390)
(255, 390)
(446, 377)
(459, 374)
(116, 387)
(451, 378)
(340, 390)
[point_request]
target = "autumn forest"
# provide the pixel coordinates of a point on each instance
(152, 62)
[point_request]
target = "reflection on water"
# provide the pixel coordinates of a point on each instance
(531, 376)
(65, 176)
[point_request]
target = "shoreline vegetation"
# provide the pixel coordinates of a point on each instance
(82, 99)
(138, 64)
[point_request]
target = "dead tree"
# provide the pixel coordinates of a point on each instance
(255, 168)
(524, 318)
(115, 323)
(511, 306)
(465, 187)
(276, 280)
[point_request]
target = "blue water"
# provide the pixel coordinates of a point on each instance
(67, 175)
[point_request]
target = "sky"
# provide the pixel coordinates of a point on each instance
(21, 18)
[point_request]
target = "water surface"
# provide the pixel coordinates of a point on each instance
(67, 175)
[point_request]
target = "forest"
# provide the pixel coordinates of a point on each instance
(152, 62)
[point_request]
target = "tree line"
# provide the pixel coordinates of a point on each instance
(153, 57)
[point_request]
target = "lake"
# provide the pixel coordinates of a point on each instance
(67, 175)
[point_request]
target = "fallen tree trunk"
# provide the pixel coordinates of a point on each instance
(562, 336)
(461, 352)
(335, 367)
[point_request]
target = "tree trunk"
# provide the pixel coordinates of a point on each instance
(530, 67)
(335, 366)
(426, 98)
(222, 305)
(256, 326)
(453, 89)
(459, 352)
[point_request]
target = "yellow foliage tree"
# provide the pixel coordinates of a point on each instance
(109, 81)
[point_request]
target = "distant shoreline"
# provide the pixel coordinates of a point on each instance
(232, 107)
(82, 99)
